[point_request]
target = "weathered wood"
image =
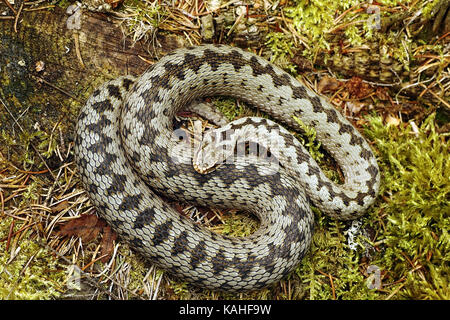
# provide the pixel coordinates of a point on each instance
(74, 63)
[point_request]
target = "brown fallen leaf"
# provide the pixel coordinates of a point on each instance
(303, 64)
(382, 94)
(327, 84)
(87, 227)
(107, 243)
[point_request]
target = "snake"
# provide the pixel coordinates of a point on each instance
(131, 159)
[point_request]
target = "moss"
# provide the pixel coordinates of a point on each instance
(308, 139)
(429, 8)
(313, 18)
(44, 143)
(411, 248)
(131, 273)
(331, 270)
(281, 47)
(409, 221)
(416, 185)
(230, 108)
(238, 224)
(63, 3)
(143, 17)
(28, 271)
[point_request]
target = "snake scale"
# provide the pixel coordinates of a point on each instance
(127, 155)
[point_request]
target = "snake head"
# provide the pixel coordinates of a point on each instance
(212, 151)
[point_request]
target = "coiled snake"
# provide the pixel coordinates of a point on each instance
(127, 154)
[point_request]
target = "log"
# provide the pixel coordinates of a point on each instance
(47, 72)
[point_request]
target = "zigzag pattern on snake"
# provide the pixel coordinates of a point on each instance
(127, 156)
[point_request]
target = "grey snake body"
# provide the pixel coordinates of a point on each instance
(127, 155)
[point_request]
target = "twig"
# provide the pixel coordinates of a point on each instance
(437, 97)
(413, 85)
(336, 21)
(11, 186)
(93, 261)
(8, 241)
(345, 25)
(77, 49)
(3, 203)
(330, 277)
(40, 8)
(17, 17)
(395, 291)
(236, 23)
(55, 87)
(32, 172)
(93, 282)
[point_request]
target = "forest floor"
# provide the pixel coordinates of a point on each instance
(385, 66)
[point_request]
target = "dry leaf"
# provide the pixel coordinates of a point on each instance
(107, 243)
(39, 66)
(328, 84)
(382, 94)
(87, 227)
(303, 64)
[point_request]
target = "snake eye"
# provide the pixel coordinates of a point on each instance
(180, 135)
